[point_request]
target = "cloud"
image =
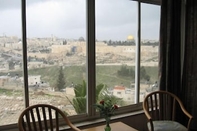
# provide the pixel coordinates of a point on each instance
(9, 4)
(16, 4)
(56, 17)
(10, 23)
(115, 19)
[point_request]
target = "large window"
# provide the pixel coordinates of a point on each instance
(68, 48)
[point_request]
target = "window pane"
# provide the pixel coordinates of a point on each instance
(56, 53)
(11, 88)
(150, 21)
(115, 49)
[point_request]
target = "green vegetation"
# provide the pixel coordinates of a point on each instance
(6, 92)
(124, 71)
(9, 92)
(75, 74)
(130, 72)
(109, 75)
(60, 81)
(79, 102)
(143, 74)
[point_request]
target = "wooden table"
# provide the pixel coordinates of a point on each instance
(117, 126)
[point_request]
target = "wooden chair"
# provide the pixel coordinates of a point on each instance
(43, 117)
(160, 109)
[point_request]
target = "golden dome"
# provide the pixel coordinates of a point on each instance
(130, 37)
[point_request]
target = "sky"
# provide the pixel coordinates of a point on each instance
(115, 19)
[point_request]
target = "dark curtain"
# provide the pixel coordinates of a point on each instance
(170, 46)
(170, 50)
(170, 79)
(190, 62)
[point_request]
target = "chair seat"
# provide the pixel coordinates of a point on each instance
(167, 126)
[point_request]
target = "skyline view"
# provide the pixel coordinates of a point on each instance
(115, 19)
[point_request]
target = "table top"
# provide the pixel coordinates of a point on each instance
(117, 126)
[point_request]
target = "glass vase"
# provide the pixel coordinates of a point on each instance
(107, 127)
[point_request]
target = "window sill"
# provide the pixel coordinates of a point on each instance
(101, 120)
(82, 124)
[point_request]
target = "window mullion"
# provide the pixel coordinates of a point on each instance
(138, 50)
(91, 83)
(24, 42)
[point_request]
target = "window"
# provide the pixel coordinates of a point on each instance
(118, 93)
(58, 52)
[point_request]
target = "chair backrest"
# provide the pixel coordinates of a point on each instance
(43, 117)
(161, 105)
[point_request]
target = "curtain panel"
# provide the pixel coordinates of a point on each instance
(170, 46)
(189, 93)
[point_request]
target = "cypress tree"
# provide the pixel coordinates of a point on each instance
(60, 83)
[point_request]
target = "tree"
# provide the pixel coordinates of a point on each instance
(64, 42)
(124, 71)
(143, 74)
(60, 83)
(81, 39)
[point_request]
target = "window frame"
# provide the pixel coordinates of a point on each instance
(91, 64)
(154, 2)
